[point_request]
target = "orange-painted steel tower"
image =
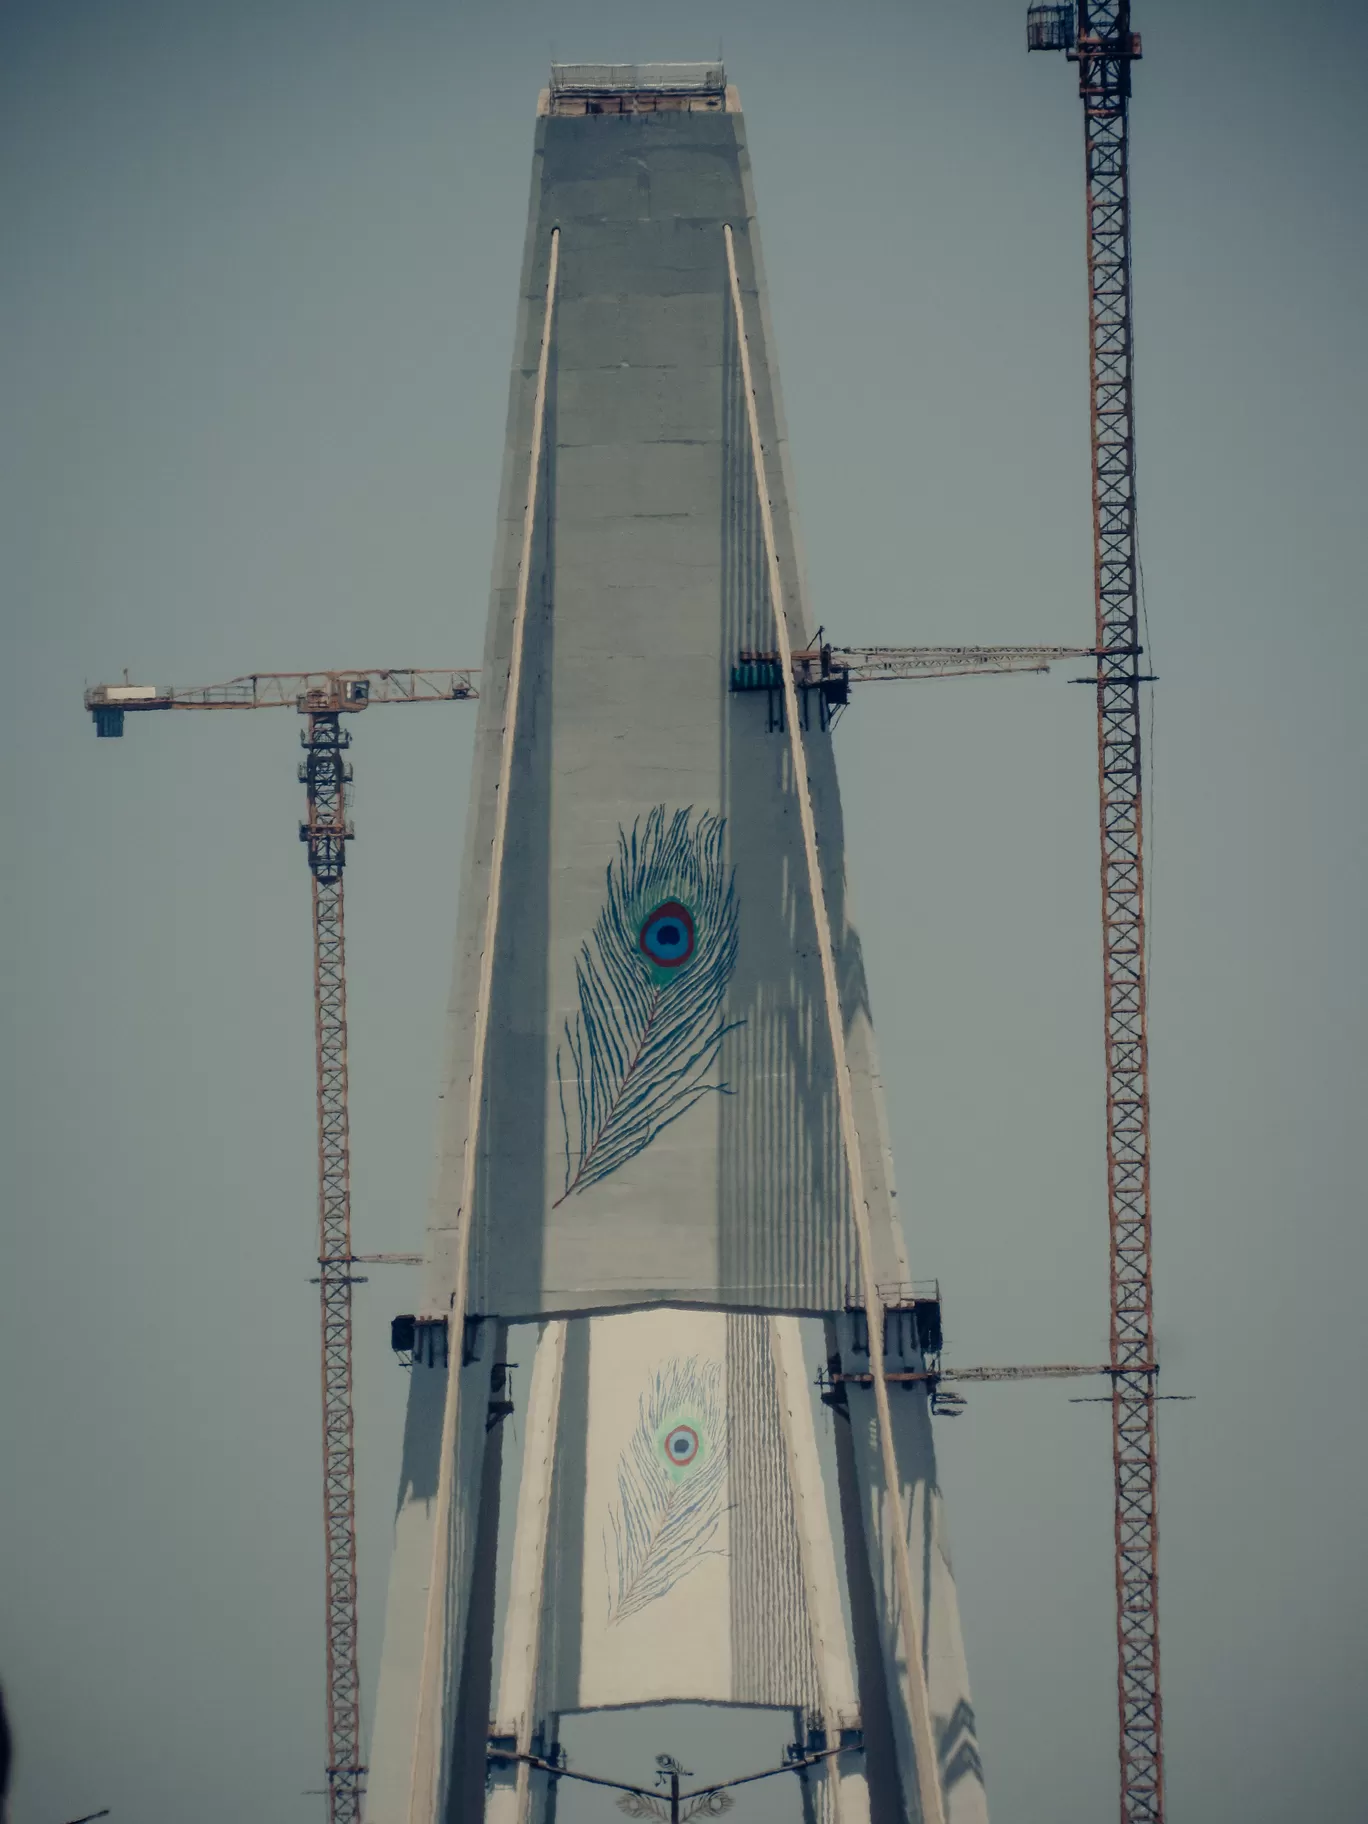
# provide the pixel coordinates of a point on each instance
(322, 698)
(1104, 48)
(325, 774)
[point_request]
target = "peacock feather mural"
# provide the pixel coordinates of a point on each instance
(652, 979)
(672, 1484)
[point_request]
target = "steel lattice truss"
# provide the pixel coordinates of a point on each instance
(325, 773)
(1105, 51)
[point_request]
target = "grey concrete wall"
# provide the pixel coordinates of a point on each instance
(721, 1578)
(659, 1123)
(648, 576)
(869, 1525)
(400, 1686)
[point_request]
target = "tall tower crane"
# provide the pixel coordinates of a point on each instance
(323, 698)
(1100, 41)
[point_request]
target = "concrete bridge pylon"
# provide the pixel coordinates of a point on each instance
(662, 1162)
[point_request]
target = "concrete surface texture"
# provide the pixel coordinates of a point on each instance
(708, 1167)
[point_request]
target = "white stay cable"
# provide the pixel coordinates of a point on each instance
(429, 1756)
(919, 1703)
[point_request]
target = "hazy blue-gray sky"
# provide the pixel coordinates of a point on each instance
(255, 328)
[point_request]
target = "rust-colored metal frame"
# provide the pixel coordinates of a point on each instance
(1105, 50)
(325, 775)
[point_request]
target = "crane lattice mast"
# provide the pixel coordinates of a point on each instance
(325, 775)
(1104, 49)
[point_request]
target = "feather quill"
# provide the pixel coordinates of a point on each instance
(648, 1030)
(668, 1513)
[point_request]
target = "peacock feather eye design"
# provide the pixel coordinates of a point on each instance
(682, 1446)
(667, 935)
(651, 982)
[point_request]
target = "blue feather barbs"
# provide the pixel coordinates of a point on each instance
(651, 979)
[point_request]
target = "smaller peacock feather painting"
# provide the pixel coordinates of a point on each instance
(672, 1484)
(652, 980)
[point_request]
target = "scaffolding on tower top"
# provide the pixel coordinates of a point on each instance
(635, 88)
(632, 78)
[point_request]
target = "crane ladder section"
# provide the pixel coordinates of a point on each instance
(1105, 51)
(325, 774)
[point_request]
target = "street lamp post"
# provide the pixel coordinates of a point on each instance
(702, 1801)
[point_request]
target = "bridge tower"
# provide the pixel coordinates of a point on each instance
(662, 1145)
